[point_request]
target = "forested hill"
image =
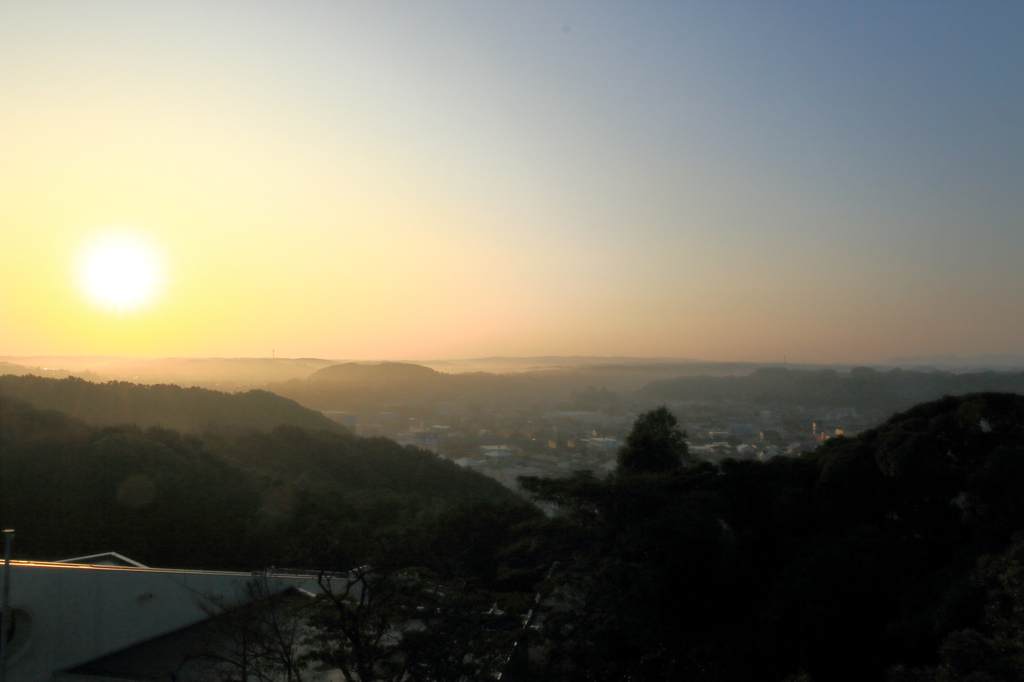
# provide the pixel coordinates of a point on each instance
(169, 406)
(861, 387)
(221, 501)
(376, 373)
(895, 555)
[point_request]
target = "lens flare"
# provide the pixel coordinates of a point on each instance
(119, 272)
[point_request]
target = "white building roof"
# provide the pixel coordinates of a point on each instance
(71, 613)
(104, 559)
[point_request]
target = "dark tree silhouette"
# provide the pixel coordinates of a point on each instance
(654, 445)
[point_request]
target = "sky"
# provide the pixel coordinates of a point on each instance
(815, 182)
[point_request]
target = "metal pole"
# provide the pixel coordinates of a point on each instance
(5, 620)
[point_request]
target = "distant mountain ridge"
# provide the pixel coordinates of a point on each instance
(173, 407)
(207, 372)
(384, 371)
(860, 387)
(951, 361)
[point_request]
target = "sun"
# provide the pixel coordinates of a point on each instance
(119, 272)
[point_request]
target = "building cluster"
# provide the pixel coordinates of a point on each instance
(548, 438)
(742, 431)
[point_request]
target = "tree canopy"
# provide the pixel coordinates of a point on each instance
(655, 444)
(878, 557)
(220, 501)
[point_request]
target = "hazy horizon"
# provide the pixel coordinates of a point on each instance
(504, 364)
(771, 183)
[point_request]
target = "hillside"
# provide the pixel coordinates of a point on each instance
(354, 387)
(11, 368)
(239, 501)
(173, 407)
